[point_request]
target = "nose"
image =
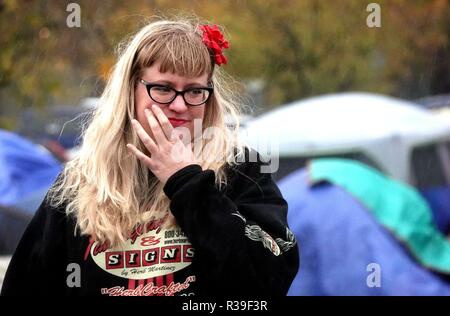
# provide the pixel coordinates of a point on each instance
(178, 104)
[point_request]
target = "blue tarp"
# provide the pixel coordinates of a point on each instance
(25, 168)
(339, 240)
(438, 199)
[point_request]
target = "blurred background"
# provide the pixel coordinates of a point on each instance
(335, 92)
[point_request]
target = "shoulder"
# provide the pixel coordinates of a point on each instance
(252, 170)
(52, 212)
(250, 163)
(50, 216)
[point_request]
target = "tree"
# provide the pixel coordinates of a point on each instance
(296, 48)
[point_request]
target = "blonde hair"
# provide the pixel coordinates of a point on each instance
(108, 190)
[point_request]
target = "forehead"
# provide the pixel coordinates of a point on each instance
(153, 73)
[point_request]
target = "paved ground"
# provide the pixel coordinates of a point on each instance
(4, 261)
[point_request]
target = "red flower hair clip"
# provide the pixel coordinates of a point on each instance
(214, 40)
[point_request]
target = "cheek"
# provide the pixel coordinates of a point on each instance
(198, 112)
(140, 103)
(139, 97)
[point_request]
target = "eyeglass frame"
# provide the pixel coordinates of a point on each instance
(149, 85)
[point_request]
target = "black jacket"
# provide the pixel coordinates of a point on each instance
(230, 242)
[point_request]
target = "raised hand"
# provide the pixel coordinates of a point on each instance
(168, 153)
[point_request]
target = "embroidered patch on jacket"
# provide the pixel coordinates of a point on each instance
(254, 232)
(287, 244)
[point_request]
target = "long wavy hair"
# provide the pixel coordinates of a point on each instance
(108, 190)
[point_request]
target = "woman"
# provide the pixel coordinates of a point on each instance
(162, 199)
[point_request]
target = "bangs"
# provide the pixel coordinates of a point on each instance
(178, 52)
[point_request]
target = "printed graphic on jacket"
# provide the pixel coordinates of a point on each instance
(148, 260)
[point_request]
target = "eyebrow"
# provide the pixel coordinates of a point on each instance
(171, 84)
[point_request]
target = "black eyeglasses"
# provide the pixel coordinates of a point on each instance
(164, 94)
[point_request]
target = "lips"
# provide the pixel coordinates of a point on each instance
(177, 122)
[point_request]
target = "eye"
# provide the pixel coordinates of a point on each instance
(196, 91)
(161, 89)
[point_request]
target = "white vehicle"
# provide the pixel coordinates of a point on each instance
(438, 105)
(392, 135)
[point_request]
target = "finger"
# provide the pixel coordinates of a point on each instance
(163, 121)
(140, 155)
(157, 131)
(142, 134)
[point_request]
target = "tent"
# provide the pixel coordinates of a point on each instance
(24, 168)
(357, 239)
(26, 173)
